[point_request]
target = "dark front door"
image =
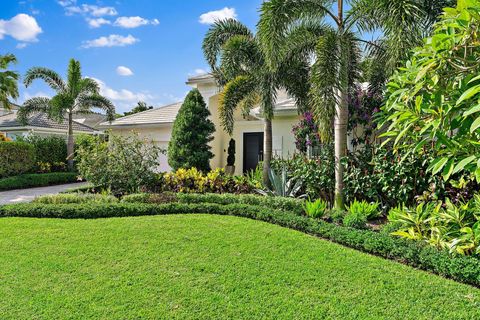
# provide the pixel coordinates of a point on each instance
(252, 150)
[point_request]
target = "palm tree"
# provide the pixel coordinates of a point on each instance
(335, 50)
(8, 81)
(247, 80)
(77, 95)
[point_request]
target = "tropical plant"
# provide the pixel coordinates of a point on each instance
(140, 107)
(359, 212)
(317, 173)
(8, 81)
(282, 186)
(369, 210)
(434, 99)
(192, 131)
(289, 28)
(315, 209)
(247, 80)
(76, 95)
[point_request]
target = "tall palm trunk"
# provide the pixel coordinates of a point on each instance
(70, 142)
(341, 117)
(267, 149)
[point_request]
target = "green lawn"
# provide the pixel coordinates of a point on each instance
(205, 267)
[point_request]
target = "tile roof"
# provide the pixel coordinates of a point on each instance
(40, 120)
(92, 120)
(207, 77)
(161, 115)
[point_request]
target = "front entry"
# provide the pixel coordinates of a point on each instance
(252, 150)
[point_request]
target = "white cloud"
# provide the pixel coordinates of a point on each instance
(124, 71)
(123, 99)
(97, 11)
(197, 72)
(134, 22)
(66, 3)
(27, 95)
(88, 9)
(97, 23)
(22, 27)
(213, 16)
(113, 40)
(21, 45)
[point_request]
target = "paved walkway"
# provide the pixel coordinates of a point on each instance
(27, 195)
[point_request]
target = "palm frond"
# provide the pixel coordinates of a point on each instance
(277, 16)
(233, 93)
(325, 83)
(85, 103)
(88, 86)
(74, 77)
(240, 55)
(218, 35)
(6, 60)
(52, 78)
(31, 106)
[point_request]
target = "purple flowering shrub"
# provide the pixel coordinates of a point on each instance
(306, 133)
(363, 105)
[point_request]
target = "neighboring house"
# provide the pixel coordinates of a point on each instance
(40, 124)
(92, 120)
(156, 125)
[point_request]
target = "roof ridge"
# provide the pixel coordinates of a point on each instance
(147, 111)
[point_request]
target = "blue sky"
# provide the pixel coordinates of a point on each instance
(159, 41)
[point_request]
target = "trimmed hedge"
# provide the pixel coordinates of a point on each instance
(37, 180)
(280, 203)
(75, 198)
(461, 268)
(16, 158)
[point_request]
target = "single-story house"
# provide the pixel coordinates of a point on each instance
(39, 124)
(156, 125)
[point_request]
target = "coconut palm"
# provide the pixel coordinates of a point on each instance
(76, 95)
(8, 81)
(335, 52)
(239, 66)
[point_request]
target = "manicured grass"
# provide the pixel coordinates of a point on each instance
(205, 267)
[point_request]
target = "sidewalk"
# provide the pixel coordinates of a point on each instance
(27, 195)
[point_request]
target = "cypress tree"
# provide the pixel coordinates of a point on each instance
(191, 133)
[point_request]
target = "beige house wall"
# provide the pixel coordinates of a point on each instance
(160, 136)
(283, 140)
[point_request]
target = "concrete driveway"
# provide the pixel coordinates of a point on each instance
(27, 195)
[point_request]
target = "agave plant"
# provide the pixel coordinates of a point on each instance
(282, 186)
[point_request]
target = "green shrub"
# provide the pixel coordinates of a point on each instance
(191, 133)
(37, 180)
(369, 210)
(75, 198)
(417, 254)
(315, 209)
(359, 212)
(355, 220)
(443, 225)
(50, 152)
(195, 181)
(149, 198)
(317, 174)
(277, 203)
(122, 165)
(16, 158)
